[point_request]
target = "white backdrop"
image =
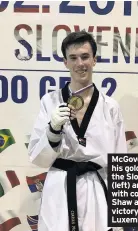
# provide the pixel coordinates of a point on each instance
(31, 65)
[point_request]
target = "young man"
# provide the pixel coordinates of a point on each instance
(75, 130)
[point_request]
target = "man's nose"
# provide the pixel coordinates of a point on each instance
(80, 61)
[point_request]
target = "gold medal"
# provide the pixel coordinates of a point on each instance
(76, 101)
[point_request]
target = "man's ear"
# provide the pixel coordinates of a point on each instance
(65, 62)
(94, 60)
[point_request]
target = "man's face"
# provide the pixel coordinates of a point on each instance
(80, 62)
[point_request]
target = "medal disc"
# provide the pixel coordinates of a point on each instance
(76, 101)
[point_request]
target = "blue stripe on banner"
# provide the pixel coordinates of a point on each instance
(112, 72)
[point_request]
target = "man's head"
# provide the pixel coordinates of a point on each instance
(76, 38)
(79, 50)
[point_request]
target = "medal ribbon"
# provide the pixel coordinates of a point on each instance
(81, 90)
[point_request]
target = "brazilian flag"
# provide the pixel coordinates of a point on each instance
(6, 139)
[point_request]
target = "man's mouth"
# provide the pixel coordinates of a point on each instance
(82, 71)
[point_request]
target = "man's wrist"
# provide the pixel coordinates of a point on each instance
(56, 130)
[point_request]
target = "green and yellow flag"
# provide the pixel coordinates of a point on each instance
(6, 139)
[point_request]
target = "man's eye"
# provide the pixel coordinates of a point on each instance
(73, 58)
(85, 57)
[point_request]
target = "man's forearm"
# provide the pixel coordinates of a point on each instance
(54, 137)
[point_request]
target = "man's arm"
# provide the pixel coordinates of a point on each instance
(121, 145)
(54, 137)
(41, 150)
